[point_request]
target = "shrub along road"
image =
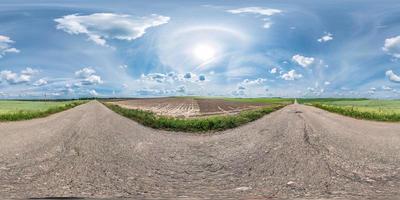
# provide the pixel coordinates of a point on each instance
(298, 151)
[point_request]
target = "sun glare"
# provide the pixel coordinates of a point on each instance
(204, 52)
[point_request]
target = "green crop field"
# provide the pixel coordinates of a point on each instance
(379, 110)
(17, 106)
(22, 110)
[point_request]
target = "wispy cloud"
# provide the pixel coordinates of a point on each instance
(267, 12)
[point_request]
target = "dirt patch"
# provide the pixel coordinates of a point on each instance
(177, 107)
(220, 106)
(188, 107)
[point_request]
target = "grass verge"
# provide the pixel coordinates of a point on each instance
(354, 112)
(213, 123)
(25, 115)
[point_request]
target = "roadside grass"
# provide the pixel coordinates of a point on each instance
(377, 110)
(24, 110)
(206, 124)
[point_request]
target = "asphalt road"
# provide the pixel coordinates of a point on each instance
(297, 152)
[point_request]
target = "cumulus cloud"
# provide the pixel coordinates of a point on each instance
(172, 77)
(273, 70)
(93, 93)
(40, 82)
(29, 71)
(85, 72)
(102, 26)
(6, 46)
(392, 46)
(92, 80)
(13, 78)
(386, 88)
(88, 76)
(257, 81)
(392, 76)
(327, 83)
(302, 60)
(258, 11)
(291, 75)
(327, 37)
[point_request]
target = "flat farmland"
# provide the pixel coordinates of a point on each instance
(189, 107)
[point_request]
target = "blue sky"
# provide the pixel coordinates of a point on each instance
(71, 48)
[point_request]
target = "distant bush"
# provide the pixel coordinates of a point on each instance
(354, 112)
(213, 123)
(25, 115)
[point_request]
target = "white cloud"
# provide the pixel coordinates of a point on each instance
(327, 37)
(302, 60)
(93, 93)
(88, 76)
(29, 71)
(392, 46)
(123, 66)
(273, 70)
(258, 81)
(327, 83)
(102, 26)
(392, 76)
(291, 75)
(5, 46)
(40, 82)
(267, 23)
(386, 88)
(92, 80)
(258, 11)
(172, 77)
(85, 72)
(13, 78)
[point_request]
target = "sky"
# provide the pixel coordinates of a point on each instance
(234, 48)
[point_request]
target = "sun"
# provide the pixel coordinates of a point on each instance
(204, 52)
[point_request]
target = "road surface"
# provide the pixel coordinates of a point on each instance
(296, 152)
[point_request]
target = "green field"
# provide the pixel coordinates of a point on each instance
(22, 110)
(379, 110)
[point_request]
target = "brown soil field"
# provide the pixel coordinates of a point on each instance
(188, 107)
(220, 106)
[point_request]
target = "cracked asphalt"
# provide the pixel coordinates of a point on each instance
(298, 152)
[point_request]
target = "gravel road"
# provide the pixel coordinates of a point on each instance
(297, 152)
